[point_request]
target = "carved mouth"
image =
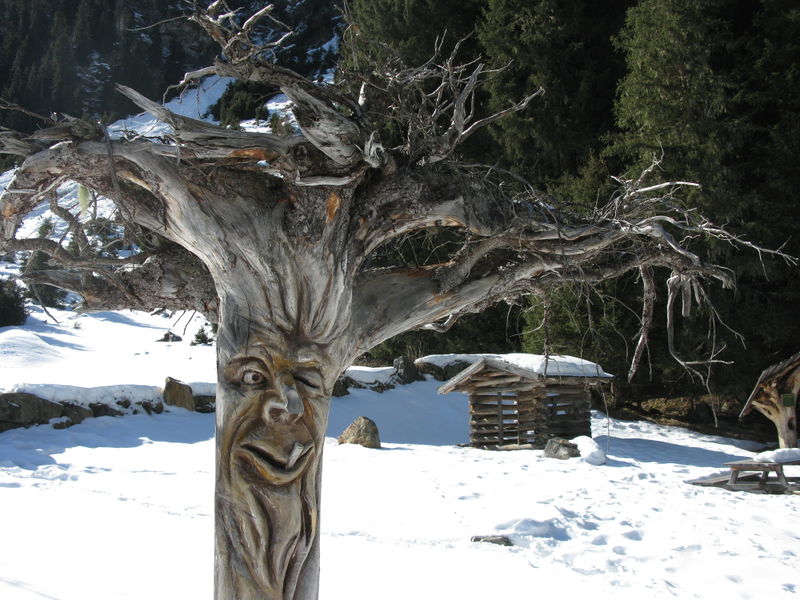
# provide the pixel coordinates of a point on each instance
(275, 469)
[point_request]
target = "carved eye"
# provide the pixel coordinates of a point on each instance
(253, 378)
(309, 379)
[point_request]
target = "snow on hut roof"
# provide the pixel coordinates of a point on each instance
(531, 366)
(557, 364)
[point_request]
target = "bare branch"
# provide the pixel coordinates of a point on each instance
(648, 305)
(6, 105)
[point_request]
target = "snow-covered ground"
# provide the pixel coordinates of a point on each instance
(121, 508)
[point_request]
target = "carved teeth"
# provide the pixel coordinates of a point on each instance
(298, 450)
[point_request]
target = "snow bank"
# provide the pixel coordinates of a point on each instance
(24, 349)
(780, 455)
(369, 376)
(107, 394)
(590, 451)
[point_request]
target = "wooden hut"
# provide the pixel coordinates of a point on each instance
(775, 396)
(523, 400)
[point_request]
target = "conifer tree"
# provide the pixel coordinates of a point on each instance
(712, 85)
(12, 304)
(565, 48)
(412, 27)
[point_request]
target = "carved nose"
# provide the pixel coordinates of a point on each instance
(284, 404)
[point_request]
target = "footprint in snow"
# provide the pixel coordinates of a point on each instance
(634, 535)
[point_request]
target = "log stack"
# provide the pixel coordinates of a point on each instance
(514, 407)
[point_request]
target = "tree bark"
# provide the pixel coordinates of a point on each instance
(786, 424)
(272, 411)
(283, 339)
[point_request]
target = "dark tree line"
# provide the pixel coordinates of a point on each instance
(66, 55)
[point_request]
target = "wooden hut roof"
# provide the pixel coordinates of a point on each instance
(532, 367)
(775, 372)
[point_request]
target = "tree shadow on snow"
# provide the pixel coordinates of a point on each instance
(37, 446)
(643, 450)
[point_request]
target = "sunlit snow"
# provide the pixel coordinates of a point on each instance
(122, 508)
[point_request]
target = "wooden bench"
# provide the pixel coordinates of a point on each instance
(764, 468)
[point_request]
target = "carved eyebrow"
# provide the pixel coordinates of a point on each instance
(249, 361)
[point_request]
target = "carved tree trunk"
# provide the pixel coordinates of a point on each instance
(272, 410)
(280, 267)
(275, 236)
(280, 350)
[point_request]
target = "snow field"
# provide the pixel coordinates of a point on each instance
(122, 508)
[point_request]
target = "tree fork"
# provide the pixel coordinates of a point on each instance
(276, 235)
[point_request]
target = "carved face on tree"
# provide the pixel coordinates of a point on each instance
(270, 447)
(271, 436)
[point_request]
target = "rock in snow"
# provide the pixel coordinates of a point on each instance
(560, 448)
(362, 431)
(177, 393)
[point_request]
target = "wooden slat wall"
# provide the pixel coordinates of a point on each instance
(507, 410)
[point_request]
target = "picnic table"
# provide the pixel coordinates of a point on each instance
(754, 476)
(762, 469)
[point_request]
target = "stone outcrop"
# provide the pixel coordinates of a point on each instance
(18, 409)
(21, 409)
(76, 414)
(347, 383)
(405, 371)
(362, 431)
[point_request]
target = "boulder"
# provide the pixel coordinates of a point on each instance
(407, 371)
(340, 388)
(500, 540)
(149, 407)
(362, 431)
(19, 409)
(177, 393)
(442, 373)
(170, 337)
(104, 410)
(205, 404)
(560, 448)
